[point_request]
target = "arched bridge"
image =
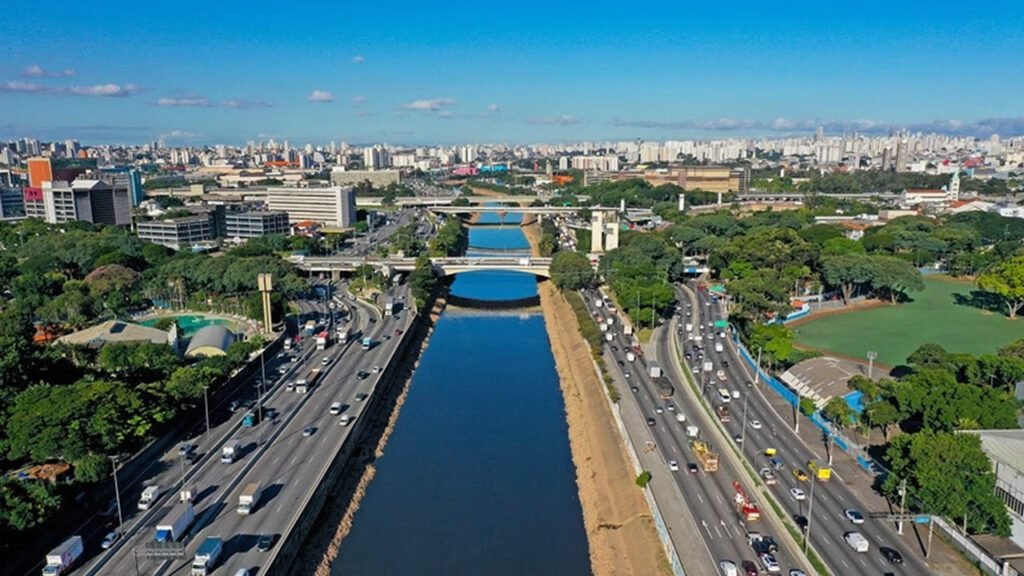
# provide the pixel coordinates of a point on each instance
(442, 266)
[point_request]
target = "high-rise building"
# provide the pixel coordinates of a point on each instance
(84, 199)
(887, 159)
(901, 156)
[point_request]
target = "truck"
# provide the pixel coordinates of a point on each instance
(231, 451)
(707, 457)
(723, 413)
(389, 307)
(310, 328)
(149, 496)
(604, 327)
(821, 473)
(249, 498)
(630, 357)
(60, 559)
(367, 343)
(287, 343)
(680, 417)
(653, 370)
(857, 541)
(207, 556)
(718, 347)
(609, 336)
(322, 339)
(175, 523)
(598, 302)
(746, 507)
(342, 333)
(627, 329)
(306, 383)
(692, 432)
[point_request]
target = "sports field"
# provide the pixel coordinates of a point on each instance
(896, 331)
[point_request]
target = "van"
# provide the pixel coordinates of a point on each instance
(149, 496)
(724, 396)
(335, 408)
(857, 541)
(718, 347)
(689, 327)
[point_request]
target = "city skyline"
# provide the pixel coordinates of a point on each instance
(417, 75)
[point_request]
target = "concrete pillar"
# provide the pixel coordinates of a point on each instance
(682, 203)
(719, 198)
(597, 232)
(611, 239)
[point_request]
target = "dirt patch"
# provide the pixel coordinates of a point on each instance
(485, 192)
(620, 531)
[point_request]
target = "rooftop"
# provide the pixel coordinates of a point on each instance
(115, 331)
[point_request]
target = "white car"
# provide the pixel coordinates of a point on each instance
(728, 568)
(109, 539)
(755, 424)
(376, 370)
(853, 516)
(797, 494)
(673, 465)
(659, 410)
(797, 572)
(325, 360)
(770, 563)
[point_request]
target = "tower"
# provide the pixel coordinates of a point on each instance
(901, 156)
(682, 202)
(954, 186)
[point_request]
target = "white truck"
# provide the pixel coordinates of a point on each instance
(231, 451)
(680, 417)
(718, 347)
(857, 541)
(206, 556)
(249, 498)
(653, 370)
(175, 523)
(149, 496)
(389, 307)
(692, 432)
(60, 559)
(630, 357)
(627, 329)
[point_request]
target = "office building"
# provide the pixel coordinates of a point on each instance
(255, 224)
(12, 202)
(127, 178)
(334, 207)
(376, 178)
(89, 200)
(178, 233)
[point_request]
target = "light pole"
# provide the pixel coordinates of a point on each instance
(871, 362)
(757, 371)
(831, 441)
(263, 383)
(743, 432)
(117, 496)
(206, 405)
(903, 505)
(810, 514)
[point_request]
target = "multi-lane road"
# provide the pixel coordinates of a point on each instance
(766, 429)
(277, 454)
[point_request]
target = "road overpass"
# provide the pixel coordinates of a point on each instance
(412, 201)
(442, 266)
(518, 209)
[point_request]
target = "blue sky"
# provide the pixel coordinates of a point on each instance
(423, 72)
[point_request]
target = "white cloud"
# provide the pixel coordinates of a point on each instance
(36, 71)
(28, 87)
(494, 108)
(444, 114)
(358, 59)
(321, 96)
(358, 100)
(429, 105)
(190, 101)
(105, 90)
(563, 120)
(178, 135)
(245, 104)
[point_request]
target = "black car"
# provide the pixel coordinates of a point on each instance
(893, 556)
(265, 542)
(691, 467)
(635, 389)
(650, 422)
(725, 363)
(801, 521)
(361, 396)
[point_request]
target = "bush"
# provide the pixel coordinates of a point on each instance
(643, 479)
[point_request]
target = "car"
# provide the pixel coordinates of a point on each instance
(659, 410)
(294, 359)
(265, 542)
(755, 424)
(748, 384)
(376, 369)
(635, 389)
(738, 438)
(801, 521)
(797, 494)
(670, 407)
(308, 431)
(749, 568)
(725, 363)
(186, 449)
(728, 568)
(620, 362)
(362, 375)
(233, 406)
(398, 331)
(109, 539)
(361, 396)
(854, 516)
(626, 375)
(325, 360)
(891, 555)
(110, 510)
(650, 422)
(800, 475)
(615, 348)
(345, 420)
(770, 563)
(673, 465)
(767, 475)
(797, 572)
(386, 337)
(290, 386)
(691, 467)
(688, 356)
(282, 369)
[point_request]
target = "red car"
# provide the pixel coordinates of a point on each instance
(749, 568)
(398, 332)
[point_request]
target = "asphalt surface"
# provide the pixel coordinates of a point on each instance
(286, 463)
(708, 495)
(827, 521)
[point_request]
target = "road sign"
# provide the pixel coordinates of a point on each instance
(922, 519)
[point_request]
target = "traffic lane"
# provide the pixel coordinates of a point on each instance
(828, 514)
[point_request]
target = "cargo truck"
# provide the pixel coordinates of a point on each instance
(62, 558)
(653, 370)
(342, 334)
(322, 340)
(306, 383)
(367, 343)
(149, 496)
(249, 498)
(630, 357)
(207, 556)
(723, 413)
(692, 432)
(231, 451)
(707, 457)
(389, 307)
(175, 523)
(310, 328)
(822, 473)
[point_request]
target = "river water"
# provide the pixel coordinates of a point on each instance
(477, 477)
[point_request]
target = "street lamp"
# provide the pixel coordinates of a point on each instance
(757, 371)
(206, 405)
(810, 514)
(743, 432)
(871, 361)
(117, 496)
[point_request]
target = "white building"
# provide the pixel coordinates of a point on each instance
(332, 207)
(609, 163)
(1006, 450)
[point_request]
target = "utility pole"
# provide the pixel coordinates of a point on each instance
(871, 362)
(903, 505)
(206, 405)
(831, 441)
(259, 401)
(931, 528)
(757, 372)
(810, 514)
(743, 432)
(117, 496)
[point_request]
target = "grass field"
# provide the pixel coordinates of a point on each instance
(896, 331)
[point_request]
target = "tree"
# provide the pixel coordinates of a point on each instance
(882, 415)
(894, 276)
(839, 412)
(774, 341)
(947, 474)
(1007, 281)
(26, 504)
(847, 273)
(571, 271)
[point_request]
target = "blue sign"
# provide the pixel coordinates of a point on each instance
(922, 519)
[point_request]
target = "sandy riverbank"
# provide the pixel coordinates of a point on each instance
(620, 531)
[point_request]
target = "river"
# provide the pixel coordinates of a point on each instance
(477, 477)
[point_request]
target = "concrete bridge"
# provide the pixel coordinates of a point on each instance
(442, 266)
(517, 209)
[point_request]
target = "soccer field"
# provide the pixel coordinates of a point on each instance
(896, 331)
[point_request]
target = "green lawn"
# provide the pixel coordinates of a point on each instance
(896, 331)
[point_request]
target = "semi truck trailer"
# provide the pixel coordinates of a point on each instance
(62, 558)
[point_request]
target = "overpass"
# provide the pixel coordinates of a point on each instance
(413, 201)
(517, 209)
(442, 266)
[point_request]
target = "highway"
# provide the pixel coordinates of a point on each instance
(287, 464)
(708, 495)
(827, 521)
